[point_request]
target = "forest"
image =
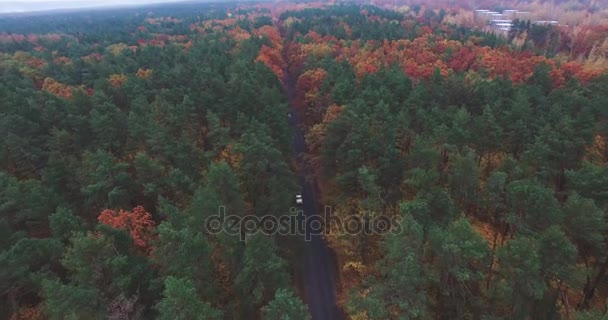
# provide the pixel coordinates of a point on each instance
(124, 130)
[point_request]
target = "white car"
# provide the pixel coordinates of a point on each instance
(299, 199)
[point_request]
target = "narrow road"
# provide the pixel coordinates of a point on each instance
(318, 272)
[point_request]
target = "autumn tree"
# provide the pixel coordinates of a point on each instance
(138, 223)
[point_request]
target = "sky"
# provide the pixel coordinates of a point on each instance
(7, 6)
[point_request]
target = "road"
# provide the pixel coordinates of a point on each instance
(318, 272)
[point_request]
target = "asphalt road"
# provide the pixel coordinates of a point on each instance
(317, 273)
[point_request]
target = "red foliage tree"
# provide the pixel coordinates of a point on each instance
(463, 59)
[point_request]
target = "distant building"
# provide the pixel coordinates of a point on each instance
(509, 13)
(504, 26)
(480, 12)
(483, 14)
(503, 22)
(545, 22)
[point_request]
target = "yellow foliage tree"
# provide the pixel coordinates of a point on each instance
(117, 49)
(116, 80)
(144, 73)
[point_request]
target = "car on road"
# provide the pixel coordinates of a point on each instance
(299, 200)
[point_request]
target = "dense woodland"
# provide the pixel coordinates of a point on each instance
(122, 130)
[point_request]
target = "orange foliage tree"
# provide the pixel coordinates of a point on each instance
(238, 34)
(59, 89)
(316, 135)
(29, 313)
(308, 87)
(419, 58)
(138, 223)
(272, 56)
(62, 60)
